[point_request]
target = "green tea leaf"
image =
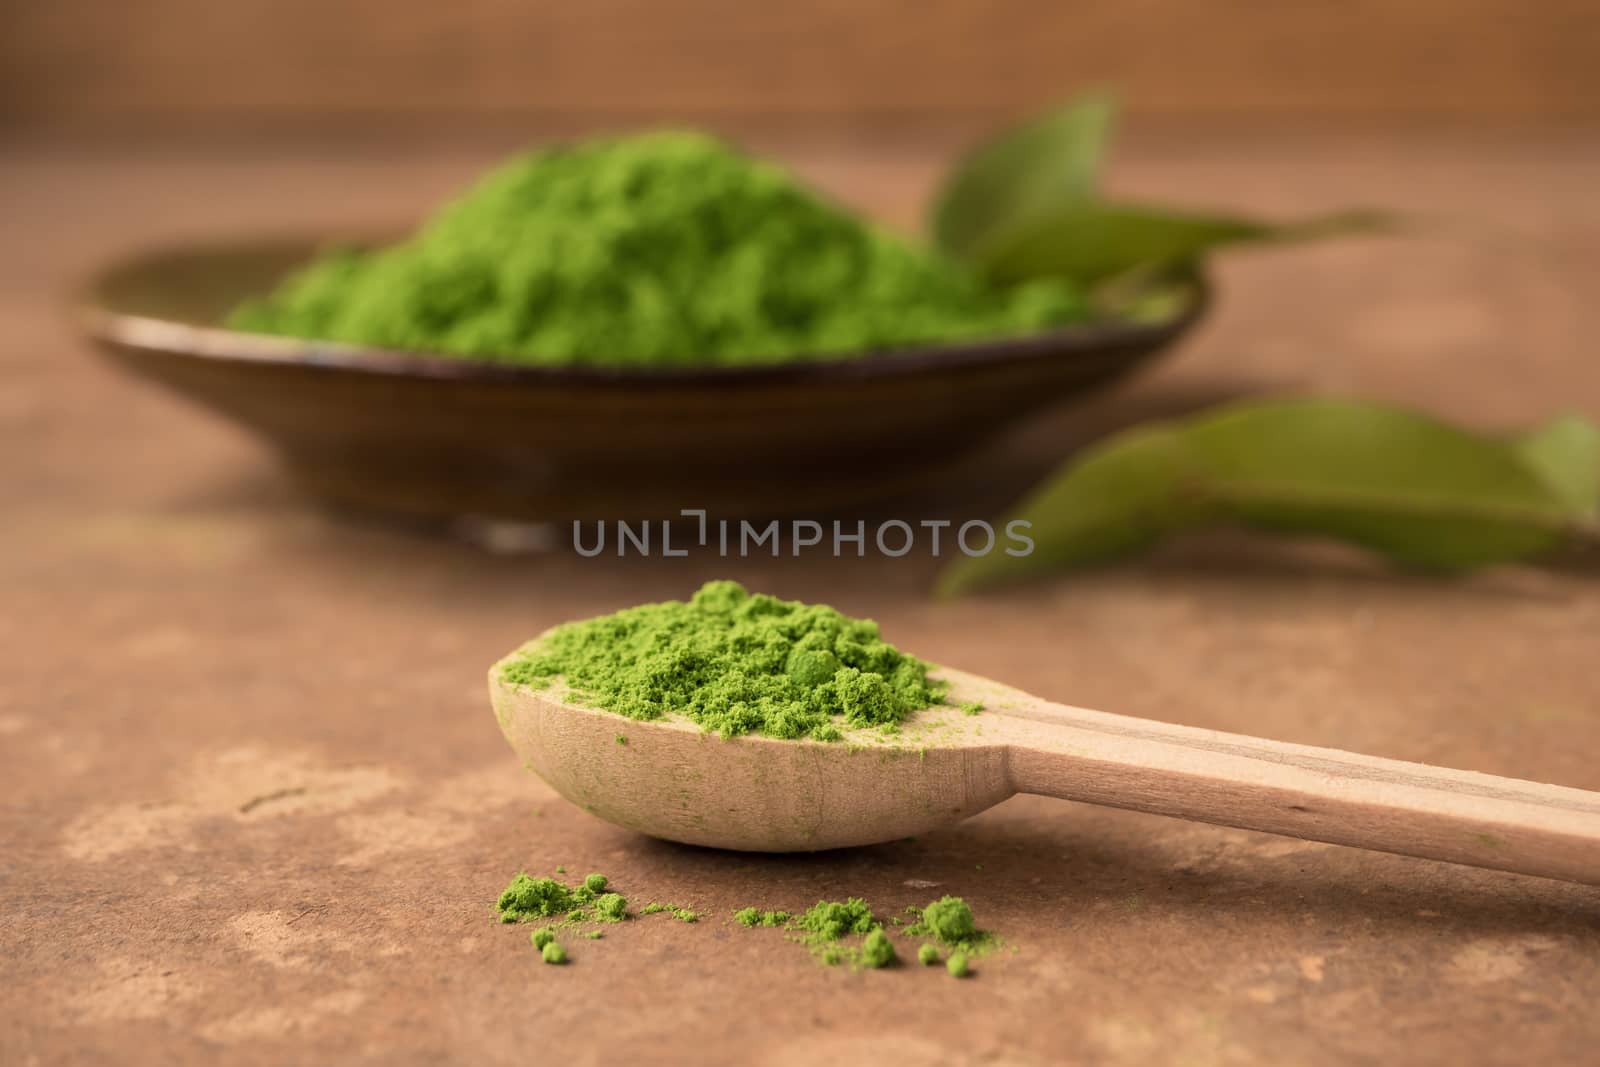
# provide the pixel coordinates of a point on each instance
(1090, 241)
(1565, 453)
(1412, 488)
(1023, 174)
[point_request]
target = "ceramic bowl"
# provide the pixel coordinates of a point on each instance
(439, 437)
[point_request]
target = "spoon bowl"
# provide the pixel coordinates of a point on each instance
(671, 779)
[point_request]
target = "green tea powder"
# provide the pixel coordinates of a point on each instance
(735, 663)
(656, 250)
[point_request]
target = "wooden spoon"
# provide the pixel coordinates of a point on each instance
(670, 779)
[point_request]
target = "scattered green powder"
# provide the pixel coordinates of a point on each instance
(533, 898)
(610, 908)
(656, 250)
(528, 898)
(594, 935)
(621, 740)
(972, 707)
(553, 953)
(876, 949)
(653, 907)
(824, 927)
(684, 915)
(542, 937)
(561, 870)
(735, 663)
(755, 917)
(949, 921)
(829, 920)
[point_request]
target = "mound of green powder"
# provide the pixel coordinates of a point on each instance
(527, 898)
(949, 921)
(829, 920)
(656, 250)
(735, 663)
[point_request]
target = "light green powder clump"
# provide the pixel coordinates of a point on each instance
(753, 917)
(657, 250)
(532, 898)
(610, 908)
(735, 663)
(876, 949)
(949, 920)
(829, 920)
(527, 898)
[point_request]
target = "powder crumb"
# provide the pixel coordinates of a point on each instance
(594, 935)
(684, 915)
(971, 707)
(829, 920)
(928, 955)
(554, 953)
(610, 908)
(958, 965)
(529, 898)
(756, 917)
(595, 883)
(949, 921)
(876, 949)
(542, 937)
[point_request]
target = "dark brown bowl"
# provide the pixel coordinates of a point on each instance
(441, 437)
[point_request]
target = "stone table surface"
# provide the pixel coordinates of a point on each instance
(256, 809)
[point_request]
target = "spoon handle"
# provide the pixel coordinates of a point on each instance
(1320, 794)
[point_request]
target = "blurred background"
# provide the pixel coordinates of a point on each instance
(247, 66)
(138, 124)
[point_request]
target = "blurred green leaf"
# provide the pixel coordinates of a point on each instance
(1412, 488)
(1565, 453)
(1023, 174)
(1090, 241)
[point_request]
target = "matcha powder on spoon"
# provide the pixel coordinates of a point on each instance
(656, 250)
(735, 663)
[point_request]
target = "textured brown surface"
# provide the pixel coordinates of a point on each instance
(346, 62)
(256, 806)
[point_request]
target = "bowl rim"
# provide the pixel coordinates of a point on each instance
(129, 330)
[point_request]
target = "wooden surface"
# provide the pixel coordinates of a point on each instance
(256, 807)
(353, 63)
